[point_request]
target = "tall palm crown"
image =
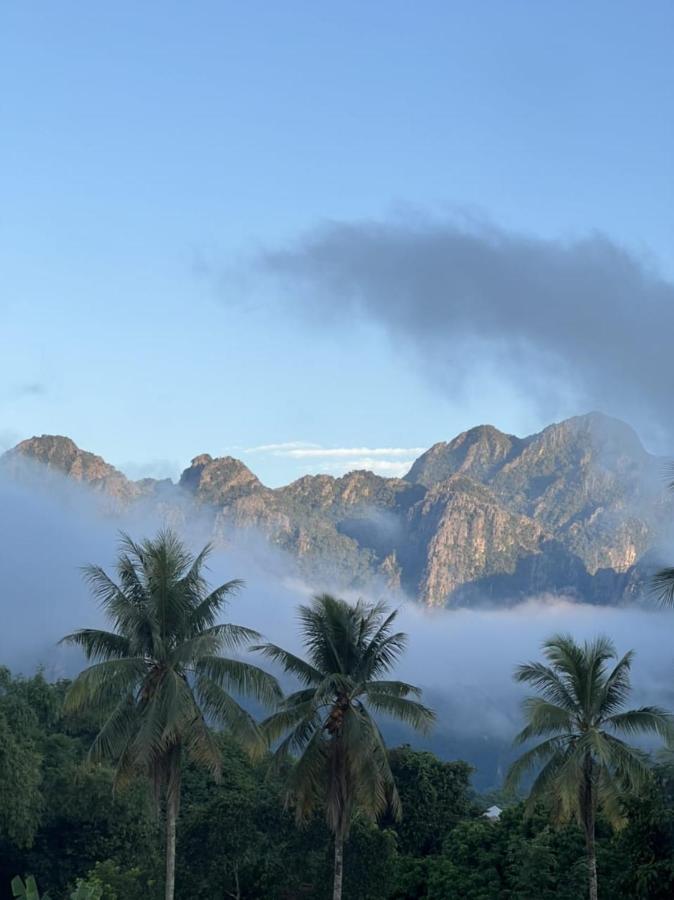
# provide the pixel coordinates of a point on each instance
(159, 676)
(583, 764)
(580, 708)
(342, 761)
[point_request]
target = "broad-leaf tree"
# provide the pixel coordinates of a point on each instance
(159, 675)
(583, 765)
(342, 762)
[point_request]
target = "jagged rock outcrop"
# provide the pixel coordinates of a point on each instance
(62, 455)
(218, 481)
(486, 516)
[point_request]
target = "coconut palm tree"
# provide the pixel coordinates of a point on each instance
(583, 765)
(158, 676)
(342, 761)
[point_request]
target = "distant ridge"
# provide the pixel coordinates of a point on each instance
(485, 517)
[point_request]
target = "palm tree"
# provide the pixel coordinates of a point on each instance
(342, 762)
(584, 766)
(158, 676)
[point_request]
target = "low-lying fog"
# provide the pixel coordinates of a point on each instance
(462, 658)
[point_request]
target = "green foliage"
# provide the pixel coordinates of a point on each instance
(469, 867)
(85, 891)
(20, 759)
(640, 860)
(20, 798)
(86, 821)
(26, 890)
(434, 795)
(114, 882)
(86, 836)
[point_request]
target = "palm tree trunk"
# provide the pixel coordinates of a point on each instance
(588, 813)
(339, 865)
(170, 850)
(591, 863)
(172, 806)
(338, 792)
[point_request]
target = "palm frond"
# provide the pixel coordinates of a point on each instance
(242, 677)
(116, 733)
(532, 758)
(629, 765)
(549, 683)
(105, 683)
(617, 687)
(663, 586)
(645, 720)
(202, 747)
(98, 644)
(386, 655)
(210, 642)
(299, 725)
(308, 779)
(386, 794)
(291, 664)
(375, 641)
(223, 708)
(205, 612)
(543, 717)
(411, 712)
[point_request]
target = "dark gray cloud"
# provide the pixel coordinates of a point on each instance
(571, 325)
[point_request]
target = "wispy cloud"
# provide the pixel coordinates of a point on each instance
(354, 452)
(389, 461)
(283, 449)
(305, 450)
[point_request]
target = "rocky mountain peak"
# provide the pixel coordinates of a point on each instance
(479, 452)
(61, 454)
(53, 450)
(218, 481)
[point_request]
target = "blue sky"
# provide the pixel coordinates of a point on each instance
(144, 146)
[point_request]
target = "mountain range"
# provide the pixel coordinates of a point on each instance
(487, 517)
